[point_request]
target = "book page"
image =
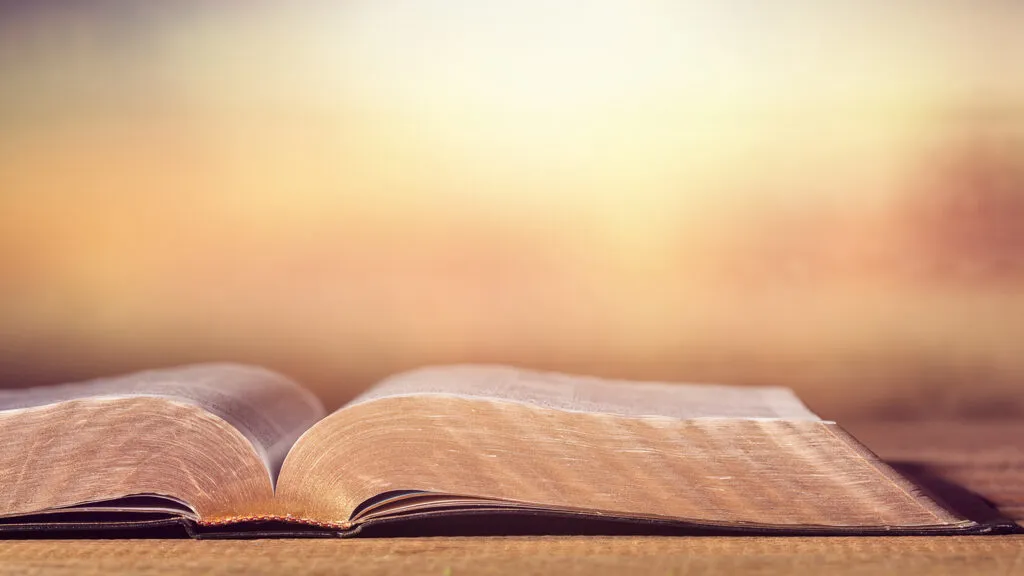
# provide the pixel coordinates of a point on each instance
(449, 439)
(594, 395)
(401, 455)
(270, 410)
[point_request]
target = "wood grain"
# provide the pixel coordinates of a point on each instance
(524, 555)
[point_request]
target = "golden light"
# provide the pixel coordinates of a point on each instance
(620, 185)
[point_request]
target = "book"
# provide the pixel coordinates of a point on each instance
(236, 450)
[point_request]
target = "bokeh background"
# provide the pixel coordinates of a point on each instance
(824, 195)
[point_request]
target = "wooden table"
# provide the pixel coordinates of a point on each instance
(989, 555)
(987, 458)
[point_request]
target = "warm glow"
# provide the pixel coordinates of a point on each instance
(783, 192)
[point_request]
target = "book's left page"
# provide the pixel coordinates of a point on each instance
(203, 441)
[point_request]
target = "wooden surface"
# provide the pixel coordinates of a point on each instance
(987, 458)
(520, 556)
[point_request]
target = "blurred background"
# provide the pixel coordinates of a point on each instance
(823, 195)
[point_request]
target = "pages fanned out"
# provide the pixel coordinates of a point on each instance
(226, 449)
(269, 410)
(503, 437)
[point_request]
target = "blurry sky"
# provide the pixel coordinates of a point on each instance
(825, 195)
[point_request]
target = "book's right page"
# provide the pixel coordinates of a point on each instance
(572, 393)
(449, 439)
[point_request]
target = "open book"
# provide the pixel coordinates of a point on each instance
(226, 449)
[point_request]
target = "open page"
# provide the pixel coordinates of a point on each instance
(588, 394)
(271, 411)
(205, 441)
(447, 439)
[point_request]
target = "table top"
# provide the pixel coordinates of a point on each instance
(525, 555)
(984, 457)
